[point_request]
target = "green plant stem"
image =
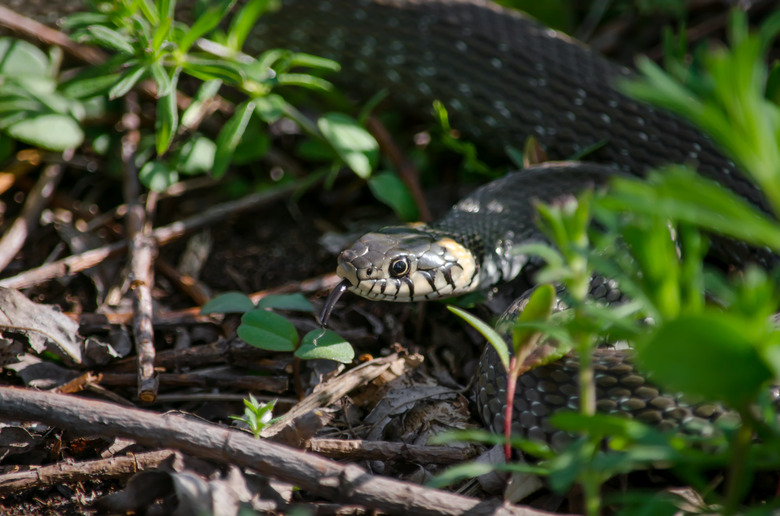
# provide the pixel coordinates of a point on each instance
(586, 376)
(591, 485)
(737, 468)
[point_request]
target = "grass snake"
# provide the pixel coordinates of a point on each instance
(503, 78)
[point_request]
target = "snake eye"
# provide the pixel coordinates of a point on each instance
(399, 267)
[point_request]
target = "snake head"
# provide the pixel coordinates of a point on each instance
(404, 263)
(408, 263)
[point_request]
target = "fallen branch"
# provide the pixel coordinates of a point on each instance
(142, 249)
(72, 472)
(357, 449)
(323, 477)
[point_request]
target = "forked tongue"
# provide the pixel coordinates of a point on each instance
(330, 303)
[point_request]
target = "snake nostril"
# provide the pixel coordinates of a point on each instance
(348, 255)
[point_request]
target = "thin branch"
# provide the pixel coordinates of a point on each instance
(72, 472)
(356, 449)
(142, 251)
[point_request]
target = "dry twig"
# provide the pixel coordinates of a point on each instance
(356, 449)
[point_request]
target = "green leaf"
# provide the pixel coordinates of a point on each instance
(207, 91)
(304, 80)
(296, 302)
(108, 38)
(325, 344)
(197, 156)
(301, 59)
(128, 80)
(158, 176)
(162, 33)
(538, 309)
(205, 23)
(78, 21)
(709, 355)
(19, 58)
(230, 136)
(270, 108)
(354, 145)
(535, 448)
(161, 78)
(50, 131)
(495, 340)
(86, 87)
(244, 21)
(599, 426)
(228, 302)
(254, 143)
(678, 193)
(460, 472)
(267, 330)
(209, 69)
(167, 122)
(389, 189)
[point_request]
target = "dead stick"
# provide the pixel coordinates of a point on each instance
(356, 449)
(162, 235)
(200, 379)
(39, 197)
(336, 388)
(323, 477)
(142, 250)
(72, 472)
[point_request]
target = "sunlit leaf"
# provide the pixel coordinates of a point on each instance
(268, 330)
(389, 189)
(323, 343)
(228, 302)
(296, 302)
(354, 145)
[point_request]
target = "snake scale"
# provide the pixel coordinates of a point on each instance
(503, 78)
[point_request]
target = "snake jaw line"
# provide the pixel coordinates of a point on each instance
(408, 263)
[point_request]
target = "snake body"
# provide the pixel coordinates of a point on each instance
(503, 78)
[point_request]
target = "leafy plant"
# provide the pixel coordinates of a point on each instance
(33, 107)
(257, 415)
(268, 330)
(650, 239)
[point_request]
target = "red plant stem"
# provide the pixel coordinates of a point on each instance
(514, 372)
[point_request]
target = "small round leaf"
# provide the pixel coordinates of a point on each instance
(325, 344)
(229, 302)
(268, 330)
(295, 302)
